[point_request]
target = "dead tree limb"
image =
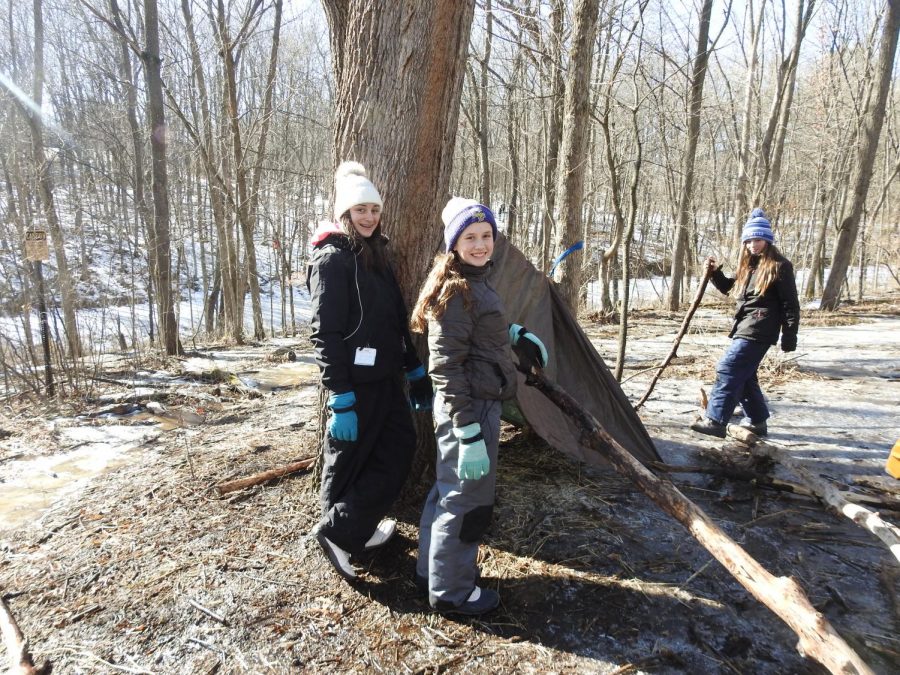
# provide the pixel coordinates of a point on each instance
(20, 660)
(681, 331)
(818, 640)
(265, 476)
(828, 493)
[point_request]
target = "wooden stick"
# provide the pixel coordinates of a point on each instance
(265, 476)
(681, 331)
(20, 660)
(869, 520)
(818, 640)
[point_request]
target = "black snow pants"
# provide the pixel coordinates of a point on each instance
(361, 479)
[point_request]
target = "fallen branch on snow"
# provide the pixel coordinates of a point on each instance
(869, 520)
(818, 639)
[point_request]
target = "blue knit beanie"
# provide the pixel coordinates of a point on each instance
(459, 213)
(758, 227)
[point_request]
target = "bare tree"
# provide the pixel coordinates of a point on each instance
(685, 200)
(45, 187)
(574, 153)
(160, 245)
(874, 121)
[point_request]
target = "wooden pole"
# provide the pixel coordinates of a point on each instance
(818, 640)
(681, 331)
(265, 476)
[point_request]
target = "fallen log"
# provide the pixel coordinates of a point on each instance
(681, 331)
(818, 639)
(735, 473)
(20, 659)
(824, 490)
(265, 476)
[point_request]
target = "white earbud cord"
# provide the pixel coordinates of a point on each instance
(358, 295)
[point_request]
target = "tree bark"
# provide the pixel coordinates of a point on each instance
(573, 150)
(868, 148)
(396, 112)
(160, 243)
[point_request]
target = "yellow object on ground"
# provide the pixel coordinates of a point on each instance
(893, 463)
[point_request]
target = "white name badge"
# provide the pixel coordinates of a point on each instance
(365, 356)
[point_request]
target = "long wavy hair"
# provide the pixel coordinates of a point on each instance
(372, 250)
(766, 269)
(444, 281)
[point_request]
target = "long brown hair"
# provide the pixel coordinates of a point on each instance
(372, 249)
(444, 281)
(766, 269)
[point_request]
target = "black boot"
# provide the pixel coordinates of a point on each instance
(760, 429)
(709, 427)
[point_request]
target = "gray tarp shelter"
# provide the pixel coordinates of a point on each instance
(531, 300)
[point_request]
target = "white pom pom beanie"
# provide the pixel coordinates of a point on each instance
(352, 187)
(459, 213)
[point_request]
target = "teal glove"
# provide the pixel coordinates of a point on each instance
(343, 424)
(528, 347)
(474, 462)
(420, 389)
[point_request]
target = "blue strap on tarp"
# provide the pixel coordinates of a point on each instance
(577, 246)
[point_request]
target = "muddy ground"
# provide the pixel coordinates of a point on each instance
(143, 568)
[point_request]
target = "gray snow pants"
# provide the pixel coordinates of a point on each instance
(362, 478)
(457, 512)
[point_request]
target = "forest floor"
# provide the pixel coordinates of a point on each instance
(120, 556)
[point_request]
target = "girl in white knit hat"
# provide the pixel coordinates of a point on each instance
(363, 348)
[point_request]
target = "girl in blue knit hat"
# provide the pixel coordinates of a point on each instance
(767, 305)
(470, 347)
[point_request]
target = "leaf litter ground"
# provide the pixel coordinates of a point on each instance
(145, 569)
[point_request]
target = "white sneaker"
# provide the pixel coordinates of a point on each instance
(383, 533)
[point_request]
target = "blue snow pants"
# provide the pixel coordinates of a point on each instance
(736, 382)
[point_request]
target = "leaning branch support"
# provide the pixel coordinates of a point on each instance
(818, 640)
(20, 660)
(265, 476)
(681, 331)
(821, 488)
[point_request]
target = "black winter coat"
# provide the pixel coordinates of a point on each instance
(761, 317)
(355, 308)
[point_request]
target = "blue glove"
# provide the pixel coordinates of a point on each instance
(343, 424)
(528, 347)
(420, 390)
(473, 458)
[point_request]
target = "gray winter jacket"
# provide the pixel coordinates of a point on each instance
(470, 356)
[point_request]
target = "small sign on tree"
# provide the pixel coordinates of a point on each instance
(36, 249)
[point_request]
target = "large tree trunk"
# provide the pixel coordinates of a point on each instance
(160, 243)
(574, 148)
(398, 71)
(396, 112)
(687, 187)
(865, 158)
